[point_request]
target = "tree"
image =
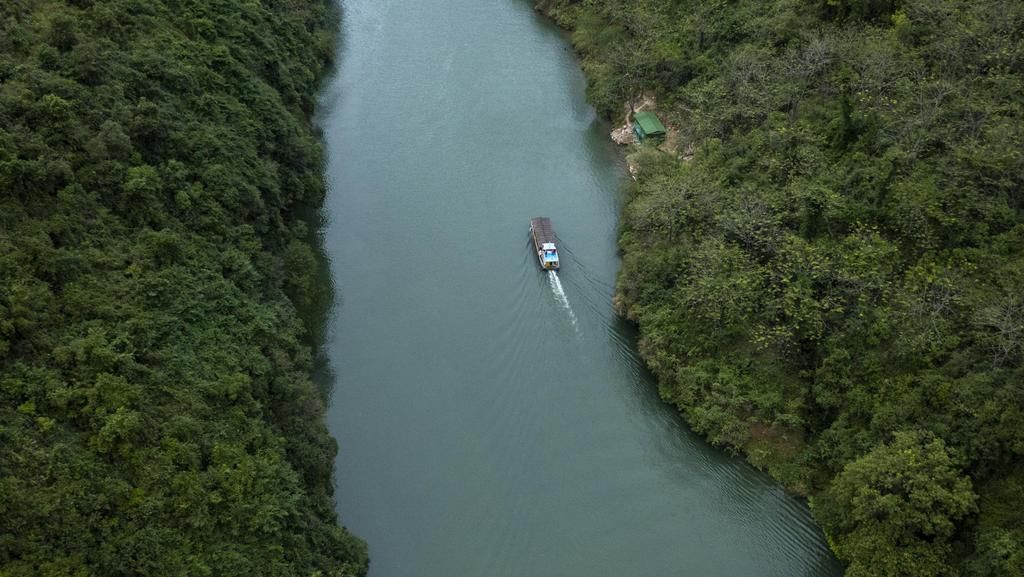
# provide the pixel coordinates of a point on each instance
(892, 512)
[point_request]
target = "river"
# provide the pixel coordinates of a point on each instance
(494, 420)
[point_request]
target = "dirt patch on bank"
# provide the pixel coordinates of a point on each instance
(623, 135)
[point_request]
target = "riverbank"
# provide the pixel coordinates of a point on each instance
(157, 415)
(822, 287)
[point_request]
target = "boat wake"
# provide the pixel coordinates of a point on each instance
(556, 287)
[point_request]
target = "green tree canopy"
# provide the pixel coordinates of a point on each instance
(893, 511)
(157, 415)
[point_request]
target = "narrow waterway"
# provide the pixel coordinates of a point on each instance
(494, 420)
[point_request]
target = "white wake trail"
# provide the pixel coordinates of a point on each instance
(556, 287)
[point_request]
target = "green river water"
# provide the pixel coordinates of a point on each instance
(494, 420)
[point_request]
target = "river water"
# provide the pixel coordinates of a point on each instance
(494, 420)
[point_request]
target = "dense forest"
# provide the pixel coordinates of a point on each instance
(157, 170)
(826, 258)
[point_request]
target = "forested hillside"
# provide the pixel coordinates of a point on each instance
(827, 261)
(156, 411)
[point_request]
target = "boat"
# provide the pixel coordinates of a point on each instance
(544, 242)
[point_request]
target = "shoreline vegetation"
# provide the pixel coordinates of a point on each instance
(157, 416)
(826, 269)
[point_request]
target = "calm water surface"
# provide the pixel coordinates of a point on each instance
(493, 420)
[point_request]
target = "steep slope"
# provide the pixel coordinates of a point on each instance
(156, 411)
(826, 267)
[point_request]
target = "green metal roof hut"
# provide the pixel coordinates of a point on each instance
(646, 125)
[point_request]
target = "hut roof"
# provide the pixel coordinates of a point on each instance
(649, 123)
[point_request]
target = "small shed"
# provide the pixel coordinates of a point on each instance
(646, 125)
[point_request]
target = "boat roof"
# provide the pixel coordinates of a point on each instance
(548, 246)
